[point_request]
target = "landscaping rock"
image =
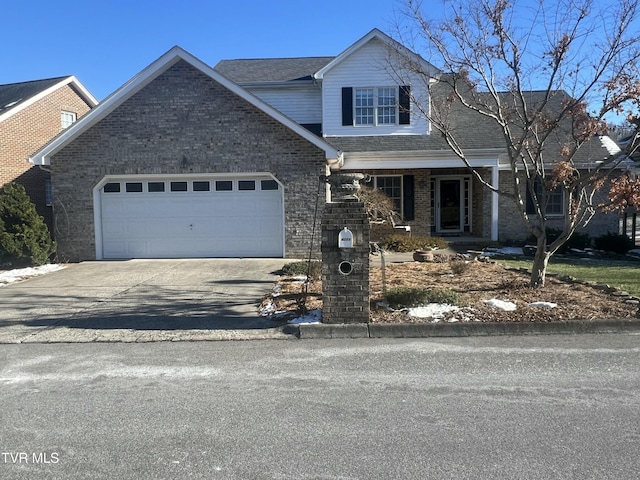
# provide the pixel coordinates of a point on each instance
(423, 256)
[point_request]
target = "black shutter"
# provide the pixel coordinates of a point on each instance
(408, 197)
(347, 106)
(405, 105)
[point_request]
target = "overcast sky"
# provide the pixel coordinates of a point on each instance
(106, 42)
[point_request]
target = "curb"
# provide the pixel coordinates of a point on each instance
(426, 330)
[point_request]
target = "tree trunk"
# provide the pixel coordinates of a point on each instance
(540, 262)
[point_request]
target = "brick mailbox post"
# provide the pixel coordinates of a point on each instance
(345, 253)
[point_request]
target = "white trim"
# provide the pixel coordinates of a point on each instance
(420, 159)
(97, 206)
(70, 80)
(495, 207)
(146, 76)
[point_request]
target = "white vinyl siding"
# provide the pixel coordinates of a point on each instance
(367, 67)
(303, 105)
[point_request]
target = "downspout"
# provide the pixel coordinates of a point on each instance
(336, 163)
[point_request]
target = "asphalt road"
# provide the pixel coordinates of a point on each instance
(462, 408)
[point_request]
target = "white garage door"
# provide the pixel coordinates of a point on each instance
(194, 217)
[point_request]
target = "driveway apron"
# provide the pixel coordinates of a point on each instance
(139, 300)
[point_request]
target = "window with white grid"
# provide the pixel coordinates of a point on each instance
(364, 106)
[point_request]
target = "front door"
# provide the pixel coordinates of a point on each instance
(449, 208)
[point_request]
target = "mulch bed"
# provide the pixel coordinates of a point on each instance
(480, 281)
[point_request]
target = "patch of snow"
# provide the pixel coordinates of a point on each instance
(608, 143)
(490, 252)
(635, 252)
(15, 275)
(267, 309)
(312, 316)
(501, 304)
(300, 278)
(432, 310)
(543, 305)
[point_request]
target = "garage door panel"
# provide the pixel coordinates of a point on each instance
(192, 224)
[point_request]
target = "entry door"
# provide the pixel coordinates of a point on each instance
(450, 216)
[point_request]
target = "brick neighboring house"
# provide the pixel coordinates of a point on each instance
(31, 114)
(182, 162)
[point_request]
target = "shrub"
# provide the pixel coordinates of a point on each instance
(578, 240)
(614, 242)
(405, 243)
(402, 297)
(24, 237)
(459, 267)
(301, 267)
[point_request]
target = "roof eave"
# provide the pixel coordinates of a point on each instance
(69, 80)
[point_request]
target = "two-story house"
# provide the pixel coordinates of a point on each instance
(357, 102)
(31, 114)
(186, 160)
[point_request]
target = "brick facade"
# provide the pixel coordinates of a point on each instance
(512, 229)
(345, 295)
(183, 122)
(28, 130)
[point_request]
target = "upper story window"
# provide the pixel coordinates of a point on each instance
(67, 118)
(376, 106)
(387, 106)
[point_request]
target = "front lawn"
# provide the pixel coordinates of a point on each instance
(622, 274)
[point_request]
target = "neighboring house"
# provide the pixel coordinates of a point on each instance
(31, 114)
(182, 162)
(356, 103)
(186, 160)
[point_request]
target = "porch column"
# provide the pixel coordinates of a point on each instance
(495, 182)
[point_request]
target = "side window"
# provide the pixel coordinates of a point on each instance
(67, 118)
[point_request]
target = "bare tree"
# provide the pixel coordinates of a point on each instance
(544, 75)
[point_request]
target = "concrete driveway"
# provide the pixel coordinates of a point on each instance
(141, 300)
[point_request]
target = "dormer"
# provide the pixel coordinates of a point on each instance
(365, 93)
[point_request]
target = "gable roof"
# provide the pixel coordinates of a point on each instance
(393, 45)
(284, 70)
(146, 76)
(18, 96)
(272, 70)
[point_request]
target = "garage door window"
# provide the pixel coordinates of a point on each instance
(268, 185)
(224, 186)
(245, 185)
(178, 186)
(155, 186)
(133, 187)
(201, 186)
(112, 188)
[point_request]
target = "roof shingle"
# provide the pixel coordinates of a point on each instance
(13, 94)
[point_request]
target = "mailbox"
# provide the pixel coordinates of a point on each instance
(345, 238)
